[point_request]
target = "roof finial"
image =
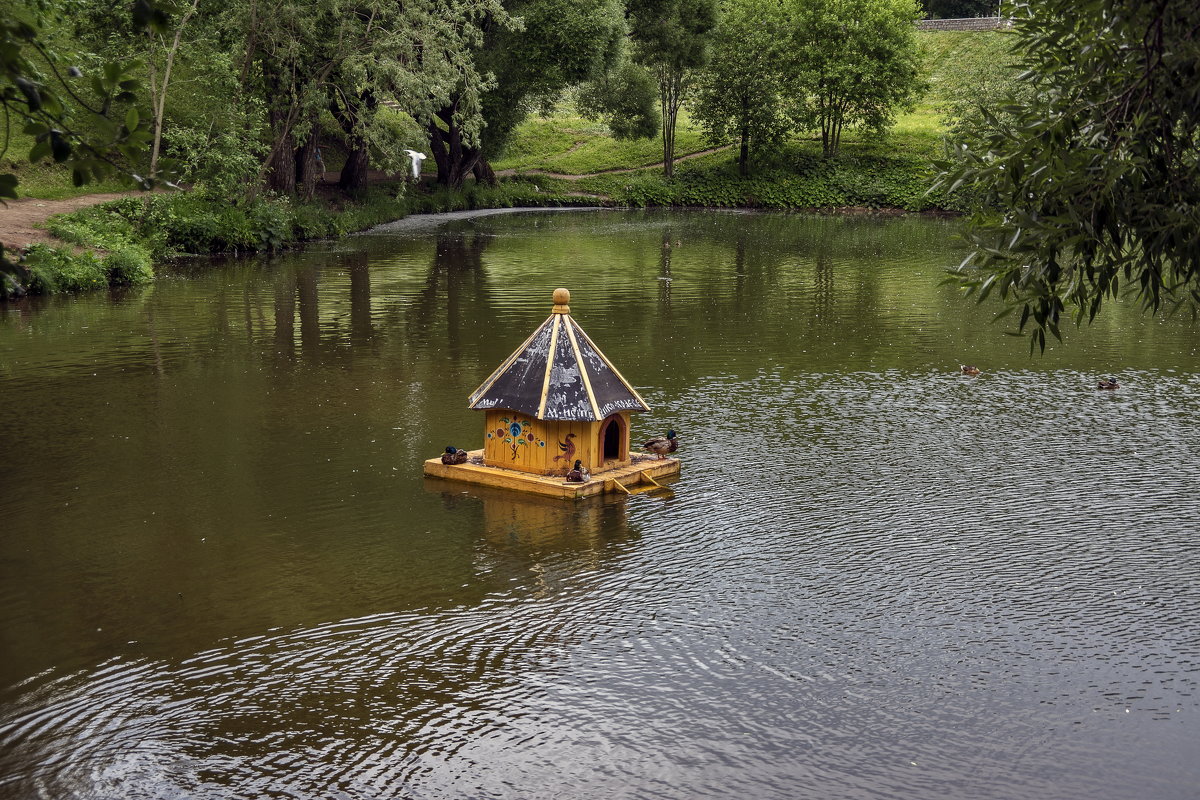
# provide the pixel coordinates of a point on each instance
(561, 298)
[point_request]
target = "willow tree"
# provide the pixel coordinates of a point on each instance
(348, 56)
(671, 39)
(418, 59)
(555, 44)
(1091, 178)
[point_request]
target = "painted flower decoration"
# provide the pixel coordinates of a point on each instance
(516, 433)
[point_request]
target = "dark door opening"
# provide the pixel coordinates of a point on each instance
(612, 440)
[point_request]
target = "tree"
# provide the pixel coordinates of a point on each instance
(740, 92)
(70, 115)
(160, 77)
(347, 57)
(74, 118)
(558, 43)
(205, 130)
(671, 39)
(854, 63)
(1094, 179)
(625, 98)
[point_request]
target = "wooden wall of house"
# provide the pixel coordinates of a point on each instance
(537, 447)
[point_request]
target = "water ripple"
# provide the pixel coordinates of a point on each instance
(875, 577)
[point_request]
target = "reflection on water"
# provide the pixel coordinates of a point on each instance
(222, 574)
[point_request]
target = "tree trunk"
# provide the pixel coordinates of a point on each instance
(484, 172)
(281, 167)
(309, 171)
(744, 152)
(354, 174)
(349, 114)
(455, 161)
(670, 93)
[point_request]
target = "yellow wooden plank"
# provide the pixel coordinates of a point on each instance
(541, 412)
(552, 485)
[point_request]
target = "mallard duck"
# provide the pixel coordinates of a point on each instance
(1107, 383)
(661, 445)
(454, 456)
(578, 473)
(968, 369)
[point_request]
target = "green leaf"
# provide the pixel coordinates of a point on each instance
(131, 119)
(8, 185)
(60, 146)
(33, 96)
(40, 149)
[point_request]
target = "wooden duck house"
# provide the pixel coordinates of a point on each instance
(556, 400)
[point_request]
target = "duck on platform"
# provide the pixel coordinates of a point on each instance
(454, 456)
(578, 473)
(969, 369)
(662, 445)
(1107, 383)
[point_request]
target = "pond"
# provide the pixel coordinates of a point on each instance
(223, 575)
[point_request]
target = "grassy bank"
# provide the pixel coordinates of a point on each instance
(117, 243)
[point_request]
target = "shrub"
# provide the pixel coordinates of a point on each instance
(128, 266)
(54, 269)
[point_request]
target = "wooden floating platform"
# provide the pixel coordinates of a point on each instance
(636, 478)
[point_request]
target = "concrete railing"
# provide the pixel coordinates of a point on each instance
(967, 24)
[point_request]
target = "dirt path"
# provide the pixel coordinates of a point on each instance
(506, 173)
(20, 219)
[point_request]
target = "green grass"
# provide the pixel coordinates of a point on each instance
(956, 57)
(47, 180)
(567, 143)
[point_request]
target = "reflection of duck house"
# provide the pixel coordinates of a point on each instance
(555, 400)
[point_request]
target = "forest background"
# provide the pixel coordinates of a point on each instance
(268, 122)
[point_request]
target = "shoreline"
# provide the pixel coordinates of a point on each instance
(89, 247)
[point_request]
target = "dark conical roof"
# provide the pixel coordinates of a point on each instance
(558, 374)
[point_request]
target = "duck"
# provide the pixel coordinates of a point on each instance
(969, 369)
(454, 456)
(661, 445)
(1107, 383)
(578, 473)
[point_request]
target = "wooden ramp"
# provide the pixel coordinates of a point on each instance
(643, 483)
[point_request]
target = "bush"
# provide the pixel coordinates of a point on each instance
(52, 269)
(128, 266)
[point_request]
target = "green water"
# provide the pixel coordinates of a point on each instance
(222, 574)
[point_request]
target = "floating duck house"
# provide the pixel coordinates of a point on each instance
(555, 400)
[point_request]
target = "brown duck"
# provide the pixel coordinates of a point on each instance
(662, 445)
(454, 456)
(578, 473)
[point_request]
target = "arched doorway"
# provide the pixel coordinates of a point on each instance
(613, 441)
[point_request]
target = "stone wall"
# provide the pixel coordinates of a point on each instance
(968, 24)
